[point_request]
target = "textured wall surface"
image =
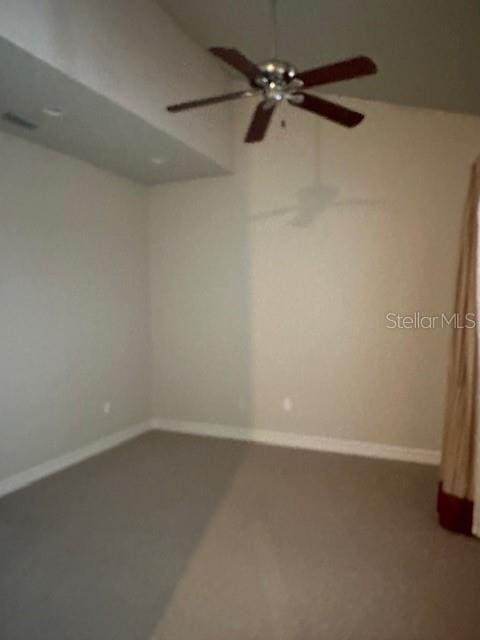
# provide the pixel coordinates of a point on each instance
(270, 287)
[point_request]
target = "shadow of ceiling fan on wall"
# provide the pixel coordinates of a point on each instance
(277, 81)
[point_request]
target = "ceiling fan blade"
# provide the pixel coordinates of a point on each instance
(237, 60)
(345, 70)
(182, 106)
(260, 121)
(330, 110)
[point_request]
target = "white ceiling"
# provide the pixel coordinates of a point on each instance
(94, 128)
(428, 51)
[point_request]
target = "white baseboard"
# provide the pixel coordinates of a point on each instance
(302, 441)
(277, 438)
(24, 478)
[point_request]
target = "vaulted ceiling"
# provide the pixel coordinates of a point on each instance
(109, 69)
(428, 51)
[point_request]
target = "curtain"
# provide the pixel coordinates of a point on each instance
(459, 490)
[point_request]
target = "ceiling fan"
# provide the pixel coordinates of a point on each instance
(277, 81)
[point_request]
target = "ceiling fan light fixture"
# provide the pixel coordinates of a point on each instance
(54, 112)
(295, 98)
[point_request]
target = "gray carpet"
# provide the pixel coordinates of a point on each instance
(175, 537)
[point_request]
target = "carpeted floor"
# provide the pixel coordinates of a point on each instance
(174, 537)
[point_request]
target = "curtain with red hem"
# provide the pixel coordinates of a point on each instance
(459, 490)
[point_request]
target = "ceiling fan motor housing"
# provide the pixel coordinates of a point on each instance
(274, 78)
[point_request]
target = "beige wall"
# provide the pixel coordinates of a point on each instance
(274, 283)
(73, 304)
